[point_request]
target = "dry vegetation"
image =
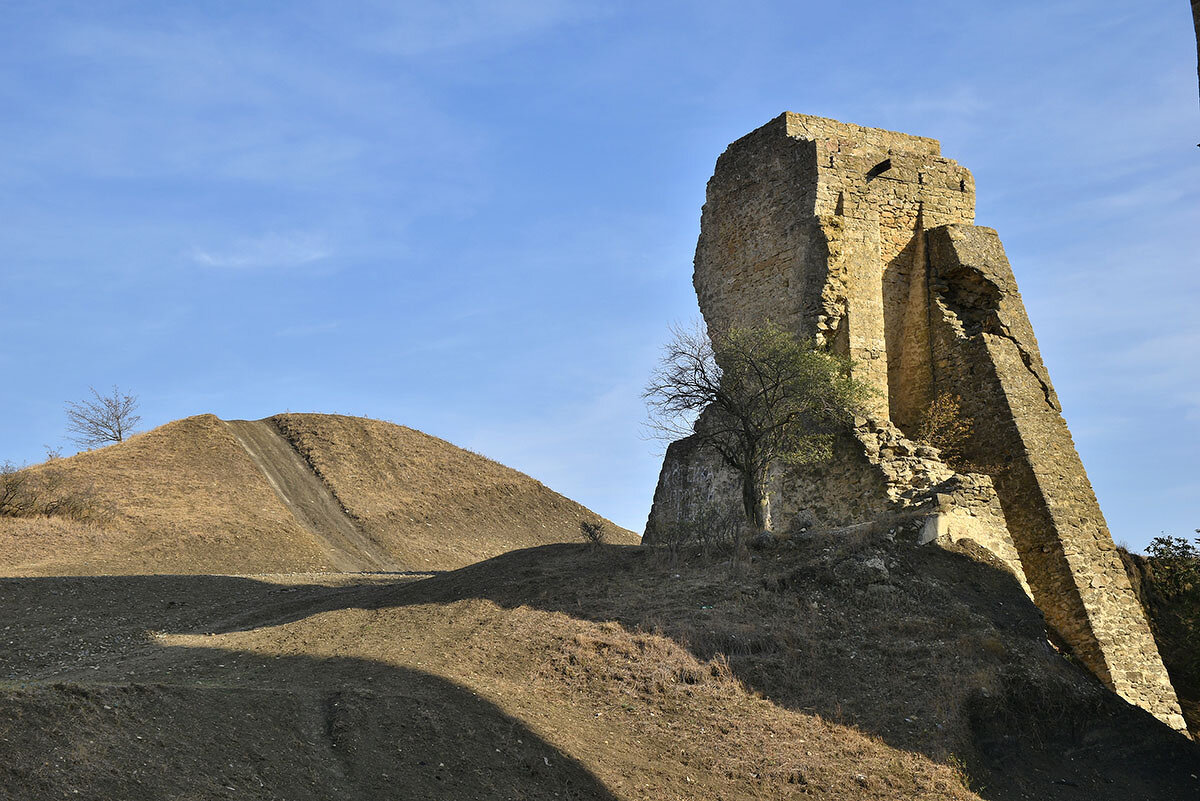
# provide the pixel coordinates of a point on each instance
(463, 699)
(186, 498)
(945, 426)
(569, 672)
(843, 665)
(47, 492)
(432, 505)
(932, 651)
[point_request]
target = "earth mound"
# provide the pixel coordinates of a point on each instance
(291, 493)
(839, 667)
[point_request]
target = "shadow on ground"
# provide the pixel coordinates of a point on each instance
(411, 735)
(932, 651)
(938, 652)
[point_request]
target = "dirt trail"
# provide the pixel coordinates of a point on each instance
(307, 497)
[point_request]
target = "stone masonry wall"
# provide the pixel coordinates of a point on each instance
(985, 351)
(814, 224)
(758, 232)
(695, 484)
(1196, 23)
(876, 191)
(863, 239)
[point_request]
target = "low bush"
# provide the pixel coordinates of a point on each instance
(593, 532)
(46, 492)
(710, 532)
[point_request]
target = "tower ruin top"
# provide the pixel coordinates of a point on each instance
(840, 207)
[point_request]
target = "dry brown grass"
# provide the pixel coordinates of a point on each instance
(431, 504)
(550, 673)
(566, 672)
(185, 498)
(33, 543)
(428, 700)
(942, 655)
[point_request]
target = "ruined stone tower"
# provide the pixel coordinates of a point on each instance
(864, 239)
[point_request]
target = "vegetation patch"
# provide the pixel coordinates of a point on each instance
(1167, 582)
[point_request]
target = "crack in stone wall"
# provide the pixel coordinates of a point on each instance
(1027, 360)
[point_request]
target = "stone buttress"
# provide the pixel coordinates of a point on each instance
(864, 239)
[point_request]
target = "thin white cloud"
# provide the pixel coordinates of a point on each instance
(946, 102)
(216, 104)
(268, 250)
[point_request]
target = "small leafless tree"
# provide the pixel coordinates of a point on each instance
(13, 490)
(104, 419)
(947, 427)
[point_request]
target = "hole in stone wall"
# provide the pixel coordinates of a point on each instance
(879, 169)
(962, 185)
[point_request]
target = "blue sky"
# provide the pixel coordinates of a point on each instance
(477, 219)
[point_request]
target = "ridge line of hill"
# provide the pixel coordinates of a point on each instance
(307, 496)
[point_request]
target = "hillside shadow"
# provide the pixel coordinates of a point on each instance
(291, 727)
(65, 606)
(947, 657)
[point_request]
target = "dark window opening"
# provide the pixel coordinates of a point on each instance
(879, 169)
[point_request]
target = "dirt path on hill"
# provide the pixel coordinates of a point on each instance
(308, 499)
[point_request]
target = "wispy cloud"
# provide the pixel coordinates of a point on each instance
(268, 250)
(943, 102)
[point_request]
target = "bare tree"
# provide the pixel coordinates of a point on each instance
(946, 427)
(105, 419)
(762, 396)
(14, 484)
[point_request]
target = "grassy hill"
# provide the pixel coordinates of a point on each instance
(189, 497)
(844, 668)
(429, 504)
(185, 498)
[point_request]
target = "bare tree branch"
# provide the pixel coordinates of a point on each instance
(105, 419)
